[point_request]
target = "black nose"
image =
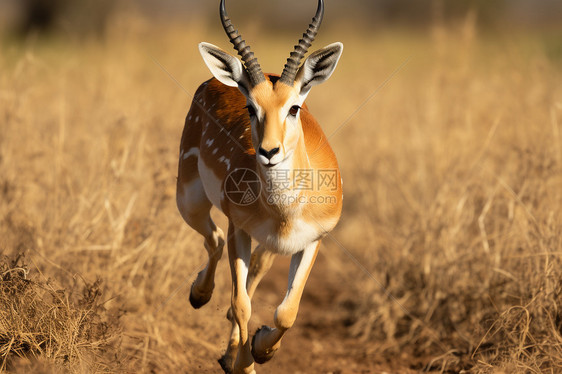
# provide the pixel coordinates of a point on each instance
(268, 154)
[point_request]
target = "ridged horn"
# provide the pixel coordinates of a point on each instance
(250, 62)
(293, 62)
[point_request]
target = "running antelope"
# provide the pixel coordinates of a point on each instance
(251, 148)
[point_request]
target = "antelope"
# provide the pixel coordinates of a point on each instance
(251, 132)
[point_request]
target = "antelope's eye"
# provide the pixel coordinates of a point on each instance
(294, 110)
(251, 111)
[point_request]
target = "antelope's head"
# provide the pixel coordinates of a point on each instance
(273, 105)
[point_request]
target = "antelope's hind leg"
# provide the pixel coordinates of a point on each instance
(195, 208)
(260, 263)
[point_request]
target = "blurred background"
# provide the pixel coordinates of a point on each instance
(89, 16)
(446, 120)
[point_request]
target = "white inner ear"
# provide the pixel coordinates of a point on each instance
(318, 67)
(225, 67)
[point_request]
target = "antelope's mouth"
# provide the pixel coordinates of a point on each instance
(271, 166)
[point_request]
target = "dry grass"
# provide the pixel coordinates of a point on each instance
(462, 193)
(53, 327)
(453, 185)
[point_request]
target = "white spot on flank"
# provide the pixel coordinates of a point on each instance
(209, 142)
(215, 151)
(197, 119)
(226, 161)
(190, 117)
(192, 152)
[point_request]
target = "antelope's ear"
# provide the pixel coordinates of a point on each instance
(225, 67)
(318, 67)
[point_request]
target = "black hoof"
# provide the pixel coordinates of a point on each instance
(262, 357)
(230, 315)
(198, 302)
(226, 367)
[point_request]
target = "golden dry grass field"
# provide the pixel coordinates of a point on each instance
(448, 256)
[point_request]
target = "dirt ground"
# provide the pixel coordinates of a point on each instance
(320, 340)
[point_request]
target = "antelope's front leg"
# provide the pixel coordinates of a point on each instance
(239, 252)
(267, 340)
